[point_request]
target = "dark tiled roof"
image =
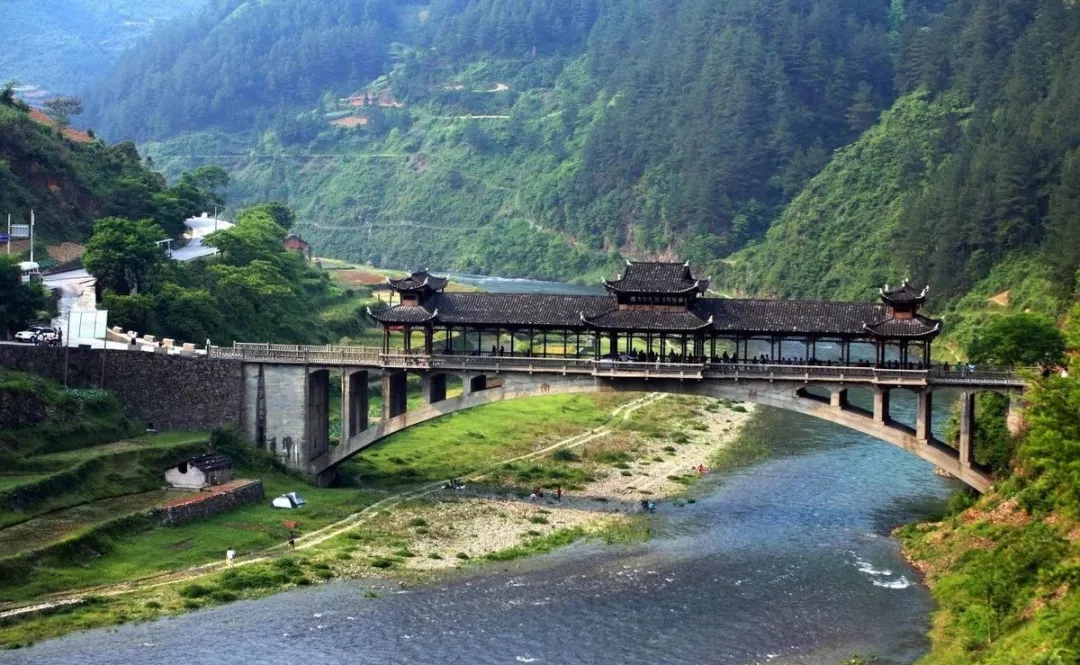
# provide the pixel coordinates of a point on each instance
(905, 293)
(657, 278)
(762, 317)
(517, 309)
(789, 316)
(210, 462)
(917, 326)
(647, 320)
(418, 280)
(402, 314)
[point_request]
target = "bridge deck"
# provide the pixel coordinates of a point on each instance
(374, 358)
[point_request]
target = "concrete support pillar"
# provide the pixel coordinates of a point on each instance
(839, 398)
(881, 405)
(923, 415)
(433, 388)
(967, 428)
(318, 414)
(1014, 418)
(394, 399)
(473, 384)
(354, 404)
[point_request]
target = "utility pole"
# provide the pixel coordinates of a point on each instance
(9, 234)
(31, 235)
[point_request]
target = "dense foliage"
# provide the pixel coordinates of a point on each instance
(20, 303)
(977, 161)
(70, 183)
(255, 289)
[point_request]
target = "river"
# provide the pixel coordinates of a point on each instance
(787, 561)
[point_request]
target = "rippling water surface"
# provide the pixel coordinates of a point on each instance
(788, 561)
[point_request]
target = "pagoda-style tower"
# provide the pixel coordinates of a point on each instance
(902, 322)
(416, 288)
(656, 286)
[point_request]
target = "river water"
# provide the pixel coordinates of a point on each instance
(786, 562)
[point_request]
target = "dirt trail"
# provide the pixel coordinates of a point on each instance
(312, 539)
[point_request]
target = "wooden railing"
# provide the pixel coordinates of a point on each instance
(374, 357)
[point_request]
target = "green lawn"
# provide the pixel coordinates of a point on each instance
(147, 442)
(7, 482)
(252, 528)
(462, 442)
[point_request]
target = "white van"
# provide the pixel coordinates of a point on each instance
(31, 271)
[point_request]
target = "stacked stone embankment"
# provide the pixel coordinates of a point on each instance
(169, 391)
(211, 501)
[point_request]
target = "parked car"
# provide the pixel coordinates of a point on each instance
(38, 334)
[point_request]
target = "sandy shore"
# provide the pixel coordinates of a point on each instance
(452, 527)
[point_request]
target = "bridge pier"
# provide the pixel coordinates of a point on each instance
(924, 409)
(394, 398)
(433, 388)
(354, 403)
(967, 428)
(473, 384)
(839, 398)
(881, 405)
(286, 412)
(1014, 418)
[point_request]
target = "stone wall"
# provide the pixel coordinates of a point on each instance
(216, 500)
(172, 392)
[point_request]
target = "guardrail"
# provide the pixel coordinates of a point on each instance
(374, 357)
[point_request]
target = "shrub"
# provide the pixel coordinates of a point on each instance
(739, 408)
(565, 455)
(382, 562)
(434, 555)
(461, 555)
(538, 519)
(195, 591)
(418, 521)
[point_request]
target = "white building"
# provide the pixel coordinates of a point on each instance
(199, 472)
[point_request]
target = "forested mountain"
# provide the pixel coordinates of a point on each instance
(70, 183)
(600, 126)
(976, 164)
(60, 44)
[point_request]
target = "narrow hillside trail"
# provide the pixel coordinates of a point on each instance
(315, 538)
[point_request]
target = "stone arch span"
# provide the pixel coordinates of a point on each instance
(789, 396)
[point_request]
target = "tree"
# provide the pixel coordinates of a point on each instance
(211, 181)
(1018, 339)
(123, 254)
(60, 109)
(19, 303)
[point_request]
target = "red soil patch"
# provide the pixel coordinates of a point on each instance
(360, 277)
(65, 251)
(350, 122)
(1001, 299)
(72, 134)
(225, 488)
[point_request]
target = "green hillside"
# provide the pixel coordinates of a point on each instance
(60, 44)
(69, 183)
(975, 167)
(536, 137)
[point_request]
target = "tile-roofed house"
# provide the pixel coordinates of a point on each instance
(657, 278)
(200, 471)
(914, 327)
(788, 317)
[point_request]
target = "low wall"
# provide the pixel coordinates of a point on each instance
(172, 392)
(214, 501)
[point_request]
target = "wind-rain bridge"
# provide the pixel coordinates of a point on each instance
(654, 331)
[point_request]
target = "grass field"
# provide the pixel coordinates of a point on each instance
(458, 443)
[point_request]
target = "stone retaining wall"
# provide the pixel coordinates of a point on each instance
(214, 501)
(170, 391)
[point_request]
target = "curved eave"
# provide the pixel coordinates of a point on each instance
(932, 331)
(591, 323)
(700, 286)
(387, 316)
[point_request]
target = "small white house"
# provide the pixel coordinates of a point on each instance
(199, 472)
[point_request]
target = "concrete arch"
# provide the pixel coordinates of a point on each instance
(777, 395)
